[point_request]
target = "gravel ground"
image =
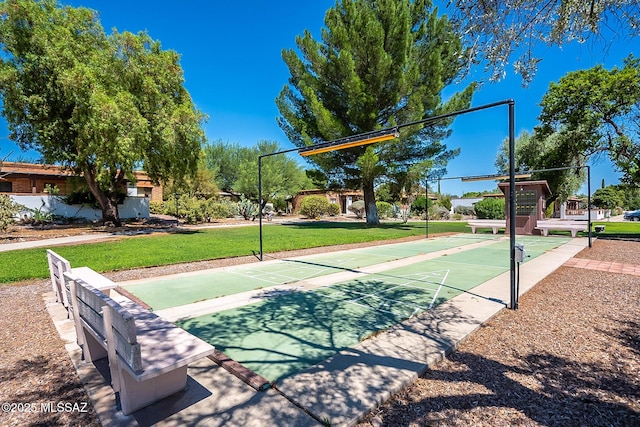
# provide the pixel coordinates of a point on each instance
(570, 356)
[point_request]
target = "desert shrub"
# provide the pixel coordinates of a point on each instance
(385, 210)
(444, 200)
(438, 212)
(419, 205)
(156, 207)
(279, 204)
(247, 209)
(219, 209)
(334, 209)
(490, 208)
(8, 211)
(314, 206)
(357, 208)
(464, 210)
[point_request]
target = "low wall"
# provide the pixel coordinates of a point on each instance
(133, 207)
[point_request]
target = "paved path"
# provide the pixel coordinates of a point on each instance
(611, 267)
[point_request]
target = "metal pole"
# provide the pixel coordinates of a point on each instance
(260, 201)
(589, 202)
(512, 204)
(426, 202)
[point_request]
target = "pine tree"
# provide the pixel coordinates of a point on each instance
(379, 64)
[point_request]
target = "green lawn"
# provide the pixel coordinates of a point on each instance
(626, 229)
(206, 244)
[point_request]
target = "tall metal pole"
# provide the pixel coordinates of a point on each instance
(512, 204)
(260, 201)
(589, 202)
(426, 203)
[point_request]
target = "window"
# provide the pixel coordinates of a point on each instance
(6, 187)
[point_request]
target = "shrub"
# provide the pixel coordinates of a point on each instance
(419, 205)
(457, 216)
(490, 208)
(279, 204)
(438, 212)
(334, 209)
(464, 210)
(8, 211)
(156, 207)
(219, 209)
(314, 206)
(247, 209)
(385, 210)
(357, 208)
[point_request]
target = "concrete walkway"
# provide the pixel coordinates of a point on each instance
(339, 390)
(58, 241)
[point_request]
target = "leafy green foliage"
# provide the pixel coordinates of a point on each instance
(314, 206)
(384, 209)
(8, 211)
(607, 198)
(595, 111)
(334, 209)
(379, 64)
(357, 208)
(235, 168)
(490, 208)
(500, 29)
(419, 205)
(537, 152)
(630, 196)
(99, 104)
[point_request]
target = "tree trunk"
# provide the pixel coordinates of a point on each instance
(370, 203)
(108, 205)
(110, 215)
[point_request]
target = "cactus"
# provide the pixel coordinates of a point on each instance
(247, 209)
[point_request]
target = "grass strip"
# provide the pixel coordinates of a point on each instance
(206, 244)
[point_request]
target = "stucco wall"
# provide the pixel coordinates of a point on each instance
(133, 207)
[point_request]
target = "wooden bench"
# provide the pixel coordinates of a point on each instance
(148, 356)
(545, 226)
(59, 265)
(488, 223)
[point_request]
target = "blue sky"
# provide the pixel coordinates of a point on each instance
(231, 56)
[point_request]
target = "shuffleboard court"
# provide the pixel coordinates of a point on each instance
(183, 289)
(281, 336)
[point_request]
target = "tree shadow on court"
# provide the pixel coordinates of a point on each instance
(290, 332)
(544, 388)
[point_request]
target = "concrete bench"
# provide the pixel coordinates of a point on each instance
(59, 265)
(545, 227)
(495, 225)
(148, 356)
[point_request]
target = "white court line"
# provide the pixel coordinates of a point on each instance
(314, 270)
(444, 261)
(336, 295)
(439, 289)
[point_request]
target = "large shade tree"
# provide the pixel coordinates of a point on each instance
(235, 168)
(597, 111)
(101, 105)
(506, 32)
(378, 64)
(546, 153)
